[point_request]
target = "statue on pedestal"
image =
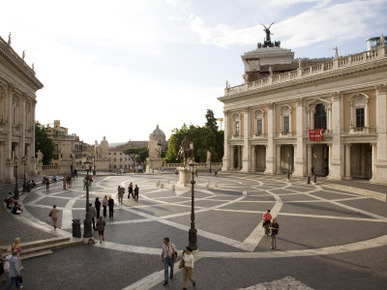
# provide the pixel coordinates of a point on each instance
(186, 152)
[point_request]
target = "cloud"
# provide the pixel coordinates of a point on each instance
(324, 21)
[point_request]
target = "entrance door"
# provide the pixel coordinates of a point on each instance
(287, 157)
(361, 161)
(260, 153)
(237, 164)
(320, 159)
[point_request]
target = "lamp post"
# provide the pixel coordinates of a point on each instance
(16, 191)
(192, 237)
(87, 233)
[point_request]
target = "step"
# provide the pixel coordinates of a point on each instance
(50, 247)
(37, 254)
(43, 242)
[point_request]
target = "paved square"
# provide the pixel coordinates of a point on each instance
(328, 234)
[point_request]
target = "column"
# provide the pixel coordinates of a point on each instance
(253, 158)
(299, 150)
(381, 121)
(336, 167)
(226, 161)
(310, 160)
(246, 143)
(231, 162)
(270, 152)
(278, 156)
(373, 159)
(348, 161)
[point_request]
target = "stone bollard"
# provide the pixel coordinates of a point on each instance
(162, 185)
(158, 183)
(76, 228)
(216, 185)
(173, 187)
(208, 185)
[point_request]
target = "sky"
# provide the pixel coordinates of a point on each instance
(118, 68)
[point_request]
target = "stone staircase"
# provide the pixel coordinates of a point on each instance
(43, 247)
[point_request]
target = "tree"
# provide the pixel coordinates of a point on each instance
(211, 121)
(44, 143)
(204, 139)
(138, 155)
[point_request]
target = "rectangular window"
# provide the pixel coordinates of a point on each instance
(259, 126)
(360, 118)
(286, 124)
(237, 129)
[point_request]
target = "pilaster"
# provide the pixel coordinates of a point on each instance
(270, 153)
(246, 143)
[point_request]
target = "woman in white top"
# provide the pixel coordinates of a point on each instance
(188, 267)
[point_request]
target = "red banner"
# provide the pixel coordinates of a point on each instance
(316, 134)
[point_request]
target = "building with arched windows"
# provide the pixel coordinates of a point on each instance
(327, 116)
(18, 86)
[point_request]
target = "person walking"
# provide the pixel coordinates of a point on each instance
(54, 216)
(130, 190)
(104, 204)
(101, 229)
(14, 271)
(168, 251)
(97, 205)
(188, 267)
(274, 227)
(266, 222)
(111, 206)
(120, 194)
(16, 246)
(136, 191)
(92, 213)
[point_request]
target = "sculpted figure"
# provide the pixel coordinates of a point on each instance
(186, 152)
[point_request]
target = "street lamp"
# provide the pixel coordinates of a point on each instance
(16, 191)
(87, 233)
(192, 237)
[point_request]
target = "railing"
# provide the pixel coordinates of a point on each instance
(335, 63)
(200, 165)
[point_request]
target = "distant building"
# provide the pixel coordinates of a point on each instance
(69, 152)
(18, 86)
(327, 116)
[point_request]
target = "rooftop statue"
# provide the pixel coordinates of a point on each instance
(268, 33)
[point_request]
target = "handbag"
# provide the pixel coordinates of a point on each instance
(182, 264)
(20, 279)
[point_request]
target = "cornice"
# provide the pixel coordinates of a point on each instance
(18, 65)
(379, 65)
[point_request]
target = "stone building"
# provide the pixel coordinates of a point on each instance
(323, 115)
(69, 152)
(18, 86)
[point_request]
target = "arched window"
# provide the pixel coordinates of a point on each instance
(359, 112)
(285, 119)
(236, 128)
(320, 117)
(259, 122)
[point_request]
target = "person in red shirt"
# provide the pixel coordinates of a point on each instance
(266, 222)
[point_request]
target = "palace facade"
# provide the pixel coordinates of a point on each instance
(18, 86)
(327, 116)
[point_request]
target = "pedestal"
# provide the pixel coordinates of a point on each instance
(184, 177)
(153, 163)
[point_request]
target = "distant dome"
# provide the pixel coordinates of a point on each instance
(157, 132)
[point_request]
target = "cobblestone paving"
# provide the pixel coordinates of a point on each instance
(325, 240)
